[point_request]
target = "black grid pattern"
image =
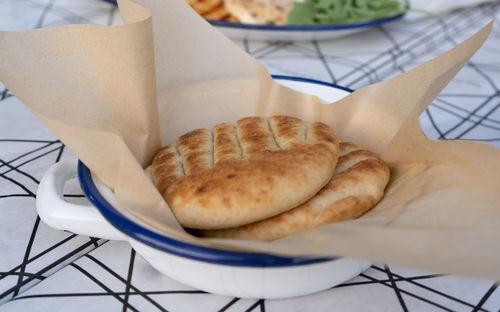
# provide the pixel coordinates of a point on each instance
(41, 268)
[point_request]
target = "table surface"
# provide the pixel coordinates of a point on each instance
(45, 269)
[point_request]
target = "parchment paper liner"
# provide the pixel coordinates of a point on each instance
(115, 94)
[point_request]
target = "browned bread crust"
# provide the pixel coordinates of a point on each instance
(357, 185)
(235, 175)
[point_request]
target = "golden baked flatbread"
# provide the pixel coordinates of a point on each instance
(235, 175)
(357, 185)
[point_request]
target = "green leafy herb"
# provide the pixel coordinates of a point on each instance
(328, 12)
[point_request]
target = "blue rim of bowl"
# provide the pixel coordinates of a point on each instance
(187, 250)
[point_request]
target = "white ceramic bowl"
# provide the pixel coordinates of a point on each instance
(224, 272)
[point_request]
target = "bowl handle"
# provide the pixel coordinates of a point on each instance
(82, 219)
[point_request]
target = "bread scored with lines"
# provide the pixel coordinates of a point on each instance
(356, 186)
(235, 175)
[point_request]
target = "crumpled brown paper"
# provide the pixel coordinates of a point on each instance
(115, 95)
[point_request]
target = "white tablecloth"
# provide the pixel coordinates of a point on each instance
(42, 269)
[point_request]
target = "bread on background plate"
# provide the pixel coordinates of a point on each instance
(260, 11)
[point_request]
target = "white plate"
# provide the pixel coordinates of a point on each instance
(295, 32)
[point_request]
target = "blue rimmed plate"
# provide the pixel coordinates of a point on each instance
(296, 32)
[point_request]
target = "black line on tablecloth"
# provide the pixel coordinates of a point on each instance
(16, 195)
(269, 45)
(321, 57)
(392, 59)
(63, 12)
(471, 19)
(100, 284)
(30, 160)
(368, 73)
(132, 293)
(458, 108)
(5, 94)
(488, 66)
(26, 256)
(40, 255)
(260, 303)
(271, 48)
(61, 151)
(478, 122)
(299, 52)
(485, 76)
(409, 39)
(395, 51)
(425, 36)
(4, 274)
(27, 141)
(16, 168)
(228, 305)
(303, 50)
(434, 125)
(24, 188)
(29, 176)
(74, 195)
(467, 118)
(427, 288)
(396, 289)
(45, 10)
(47, 268)
(481, 140)
(470, 63)
(394, 42)
(461, 95)
(429, 276)
(408, 293)
(121, 279)
(129, 277)
(283, 70)
(487, 100)
(169, 292)
(35, 158)
(444, 109)
(246, 46)
(485, 297)
(75, 18)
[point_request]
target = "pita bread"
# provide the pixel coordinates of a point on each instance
(235, 175)
(357, 185)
